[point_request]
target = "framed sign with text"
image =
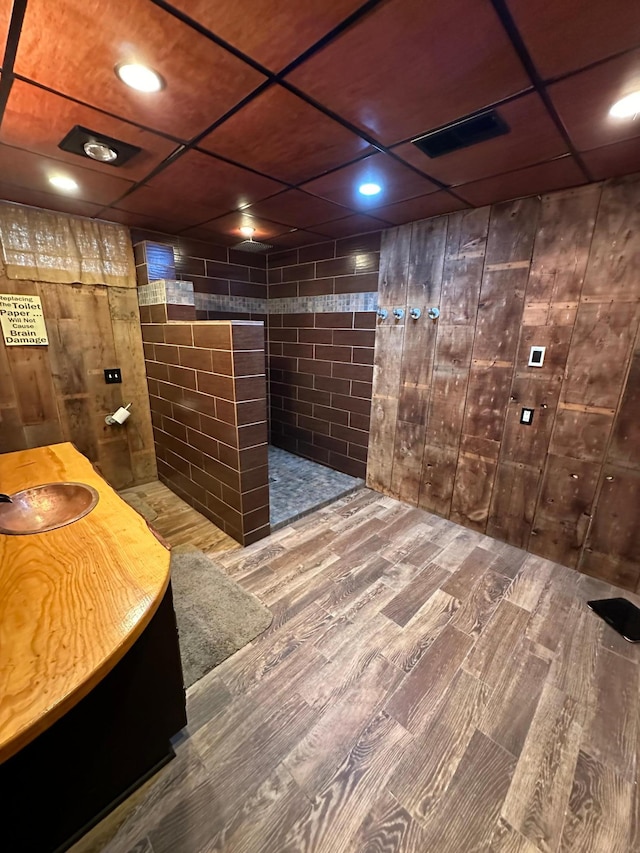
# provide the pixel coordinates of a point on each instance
(22, 320)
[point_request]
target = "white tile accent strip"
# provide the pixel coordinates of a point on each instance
(166, 291)
(235, 304)
(182, 293)
(326, 304)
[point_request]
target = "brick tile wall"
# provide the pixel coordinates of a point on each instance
(237, 280)
(207, 389)
(321, 363)
(320, 336)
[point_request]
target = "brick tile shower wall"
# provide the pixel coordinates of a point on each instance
(320, 342)
(207, 390)
(321, 361)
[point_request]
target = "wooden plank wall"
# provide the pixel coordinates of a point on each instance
(560, 271)
(394, 263)
(58, 393)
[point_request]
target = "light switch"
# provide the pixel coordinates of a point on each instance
(112, 376)
(526, 417)
(536, 356)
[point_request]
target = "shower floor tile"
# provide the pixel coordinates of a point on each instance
(297, 486)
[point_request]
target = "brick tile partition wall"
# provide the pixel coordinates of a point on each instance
(207, 389)
(320, 338)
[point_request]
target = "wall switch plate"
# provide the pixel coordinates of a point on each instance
(112, 376)
(526, 417)
(536, 356)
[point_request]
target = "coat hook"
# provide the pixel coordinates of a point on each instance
(433, 313)
(382, 313)
(415, 313)
(398, 313)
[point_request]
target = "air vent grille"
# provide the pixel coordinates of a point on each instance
(462, 134)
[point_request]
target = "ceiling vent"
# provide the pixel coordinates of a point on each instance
(96, 146)
(462, 134)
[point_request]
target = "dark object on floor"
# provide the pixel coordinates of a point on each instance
(215, 616)
(622, 615)
(74, 773)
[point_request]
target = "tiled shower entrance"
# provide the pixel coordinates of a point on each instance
(298, 486)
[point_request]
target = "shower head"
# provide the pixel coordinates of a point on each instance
(252, 246)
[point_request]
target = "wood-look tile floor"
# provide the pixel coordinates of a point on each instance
(422, 688)
(177, 522)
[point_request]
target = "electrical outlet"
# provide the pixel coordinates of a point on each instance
(526, 417)
(112, 376)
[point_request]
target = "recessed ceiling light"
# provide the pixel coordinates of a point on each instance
(627, 107)
(140, 77)
(247, 230)
(61, 182)
(369, 188)
(99, 151)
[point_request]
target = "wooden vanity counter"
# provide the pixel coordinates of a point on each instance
(73, 601)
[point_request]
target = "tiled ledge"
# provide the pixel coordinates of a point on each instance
(166, 292)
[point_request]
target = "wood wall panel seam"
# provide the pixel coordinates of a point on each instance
(604, 473)
(483, 235)
(541, 480)
(490, 362)
(463, 256)
(387, 370)
(597, 300)
(509, 265)
(578, 407)
(468, 454)
(577, 294)
(523, 241)
(534, 485)
(423, 288)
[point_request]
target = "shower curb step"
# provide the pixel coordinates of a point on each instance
(290, 519)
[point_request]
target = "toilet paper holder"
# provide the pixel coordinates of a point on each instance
(119, 416)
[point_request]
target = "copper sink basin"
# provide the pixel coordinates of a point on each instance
(46, 507)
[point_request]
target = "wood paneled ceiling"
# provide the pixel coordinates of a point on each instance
(274, 111)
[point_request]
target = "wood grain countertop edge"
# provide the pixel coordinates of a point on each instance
(32, 726)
